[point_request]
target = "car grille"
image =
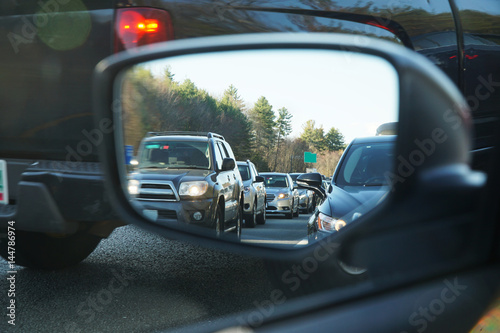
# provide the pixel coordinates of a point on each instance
(270, 197)
(157, 191)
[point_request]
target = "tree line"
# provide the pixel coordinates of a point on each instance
(258, 133)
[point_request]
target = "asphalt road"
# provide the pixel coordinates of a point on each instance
(279, 231)
(139, 282)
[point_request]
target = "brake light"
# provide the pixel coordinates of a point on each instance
(141, 26)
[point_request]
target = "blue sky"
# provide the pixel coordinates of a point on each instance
(352, 92)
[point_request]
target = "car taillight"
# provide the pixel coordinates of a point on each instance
(141, 26)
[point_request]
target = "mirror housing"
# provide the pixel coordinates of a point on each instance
(228, 164)
(312, 181)
(259, 179)
(432, 148)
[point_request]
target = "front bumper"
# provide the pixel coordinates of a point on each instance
(278, 206)
(183, 211)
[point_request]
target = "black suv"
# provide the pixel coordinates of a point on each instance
(188, 177)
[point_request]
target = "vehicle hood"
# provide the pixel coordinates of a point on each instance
(277, 190)
(344, 202)
(176, 176)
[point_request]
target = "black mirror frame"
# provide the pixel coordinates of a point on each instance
(259, 179)
(312, 181)
(228, 164)
(443, 108)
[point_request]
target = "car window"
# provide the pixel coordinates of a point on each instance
(254, 170)
(366, 165)
(276, 181)
(174, 154)
(218, 156)
(223, 150)
(245, 172)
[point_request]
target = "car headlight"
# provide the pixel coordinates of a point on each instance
(133, 186)
(193, 189)
(283, 195)
(246, 189)
(328, 223)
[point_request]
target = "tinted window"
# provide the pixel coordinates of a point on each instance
(223, 150)
(174, 154)
(276, 181)
(366, 165)
(245, 172)
(218, 156)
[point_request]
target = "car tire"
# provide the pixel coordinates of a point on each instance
(45, 251)
(297, 212)
(251, 220)
(261, 218)
(236, 234)
(219, 229)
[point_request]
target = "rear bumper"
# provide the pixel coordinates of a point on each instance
(55, 197)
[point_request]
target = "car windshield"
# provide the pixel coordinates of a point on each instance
(366, 164)
(174, 155)
(275, 181)
(244, 172)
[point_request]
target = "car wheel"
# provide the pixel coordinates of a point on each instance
(297, 212)
(251, 220)
(47, 251)
(219, 229)
(261, 218)
(239, 224)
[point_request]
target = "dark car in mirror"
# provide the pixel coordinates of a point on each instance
(361, 181)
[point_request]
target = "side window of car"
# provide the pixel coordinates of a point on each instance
(229, 150)
(255, 173)
(222, 150)
(218, 156)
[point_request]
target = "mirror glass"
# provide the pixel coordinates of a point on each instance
(203, 135)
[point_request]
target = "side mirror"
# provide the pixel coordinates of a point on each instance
(228, 164)
(312, 181)
(430, 154)
(259, 179)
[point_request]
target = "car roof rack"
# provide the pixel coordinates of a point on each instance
(206, 134)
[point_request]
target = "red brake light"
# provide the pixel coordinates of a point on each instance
(141, 26)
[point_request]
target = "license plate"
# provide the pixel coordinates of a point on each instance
(4, 193)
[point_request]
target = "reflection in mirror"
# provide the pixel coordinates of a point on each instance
(218, 140)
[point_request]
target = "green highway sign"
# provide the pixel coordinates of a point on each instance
(309, 157)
